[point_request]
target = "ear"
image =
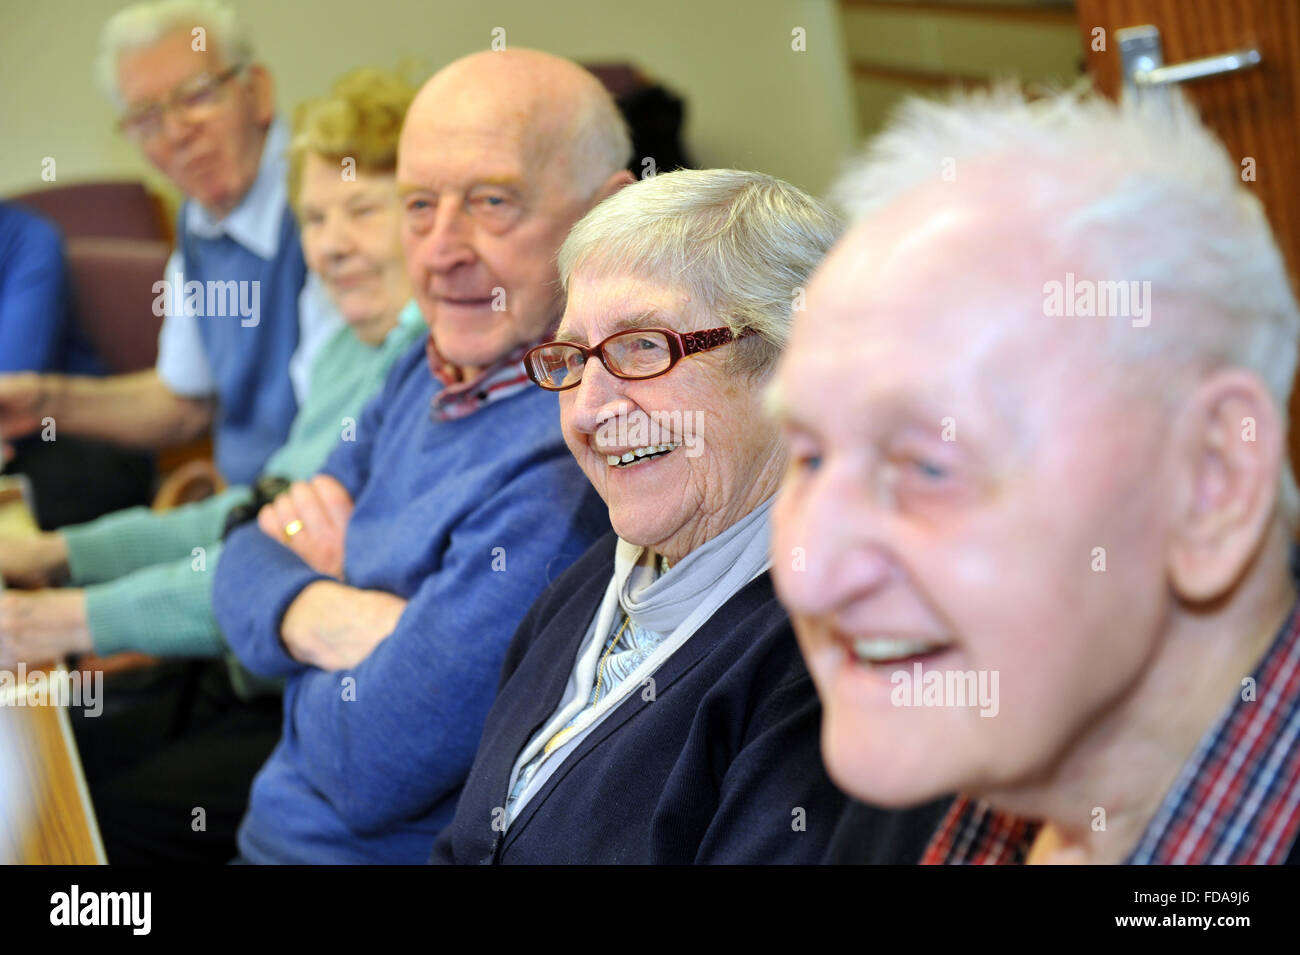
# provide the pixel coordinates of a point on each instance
(613, 184)
(263, 89)
(1232, 443)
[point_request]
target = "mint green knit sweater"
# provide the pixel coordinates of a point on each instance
(148, 575)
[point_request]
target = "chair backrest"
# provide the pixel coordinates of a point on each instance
(113, 282)
(124, 210)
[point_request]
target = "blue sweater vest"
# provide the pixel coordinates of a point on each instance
(250, 362)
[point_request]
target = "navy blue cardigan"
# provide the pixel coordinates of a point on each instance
(722, 766)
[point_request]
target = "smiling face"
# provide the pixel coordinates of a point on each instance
(486, 205)
(956, 458)
(351, 239)
(726, 458)
(211, 156)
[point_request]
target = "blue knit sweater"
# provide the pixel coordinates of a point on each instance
(469, 520)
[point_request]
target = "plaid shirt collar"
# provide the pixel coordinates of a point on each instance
(459, 399)
(1235, 802)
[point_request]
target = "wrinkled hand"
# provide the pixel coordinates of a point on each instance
(35, 560)
(334, 627)
(42, 625)
(323, 508)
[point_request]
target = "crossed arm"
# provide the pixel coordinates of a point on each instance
(433, 663)
(329, 625)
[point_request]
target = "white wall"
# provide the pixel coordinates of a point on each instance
(753, 102)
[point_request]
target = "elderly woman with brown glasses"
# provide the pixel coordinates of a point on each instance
(653, 707)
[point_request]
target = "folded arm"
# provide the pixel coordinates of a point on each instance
(395, 734)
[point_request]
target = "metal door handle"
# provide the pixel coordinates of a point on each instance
(1145, 72)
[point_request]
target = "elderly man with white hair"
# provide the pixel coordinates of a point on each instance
(1036, 414)
(193, 98)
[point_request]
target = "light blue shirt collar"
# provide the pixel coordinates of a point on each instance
(255, 222)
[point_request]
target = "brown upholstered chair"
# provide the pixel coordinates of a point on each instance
(113, 282)
(117, 246)
(118, 210)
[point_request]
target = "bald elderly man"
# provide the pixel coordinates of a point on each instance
(1037, 416)
(387, 589)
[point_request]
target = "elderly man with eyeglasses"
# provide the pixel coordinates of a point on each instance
(231, 354)
(386, 589)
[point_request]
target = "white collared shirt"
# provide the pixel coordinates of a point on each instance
(255, 224)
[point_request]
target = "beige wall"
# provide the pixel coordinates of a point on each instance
(907, 44)
(753, 102)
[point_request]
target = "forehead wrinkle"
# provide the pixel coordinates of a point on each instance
(985, 333)
(440, 128)
(891, 395)
(519, 117)
(650, 318)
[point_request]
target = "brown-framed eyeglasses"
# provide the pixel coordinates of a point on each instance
(632, 355)
(192, 101)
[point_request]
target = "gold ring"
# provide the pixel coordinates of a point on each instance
(292, 528)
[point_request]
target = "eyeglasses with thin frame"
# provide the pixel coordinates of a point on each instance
(193, 100)
(633, 355)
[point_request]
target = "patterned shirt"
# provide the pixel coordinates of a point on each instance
(634, 644)
(459, 399)
(1235, 802)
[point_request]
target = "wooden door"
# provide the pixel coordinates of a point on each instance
(1255, 112)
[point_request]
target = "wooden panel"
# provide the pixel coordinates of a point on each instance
(1032, 11)
(905, 39)
(45, 813)
(1255, 112)
(917, 78)
(901, 48)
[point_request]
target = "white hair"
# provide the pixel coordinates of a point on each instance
(599, 145)
(144, 24)
(743, 243)
(1134, 192)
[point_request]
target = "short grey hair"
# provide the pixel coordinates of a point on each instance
(600, 144)
(144, 24)
(742, 243)
(1131, 191)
